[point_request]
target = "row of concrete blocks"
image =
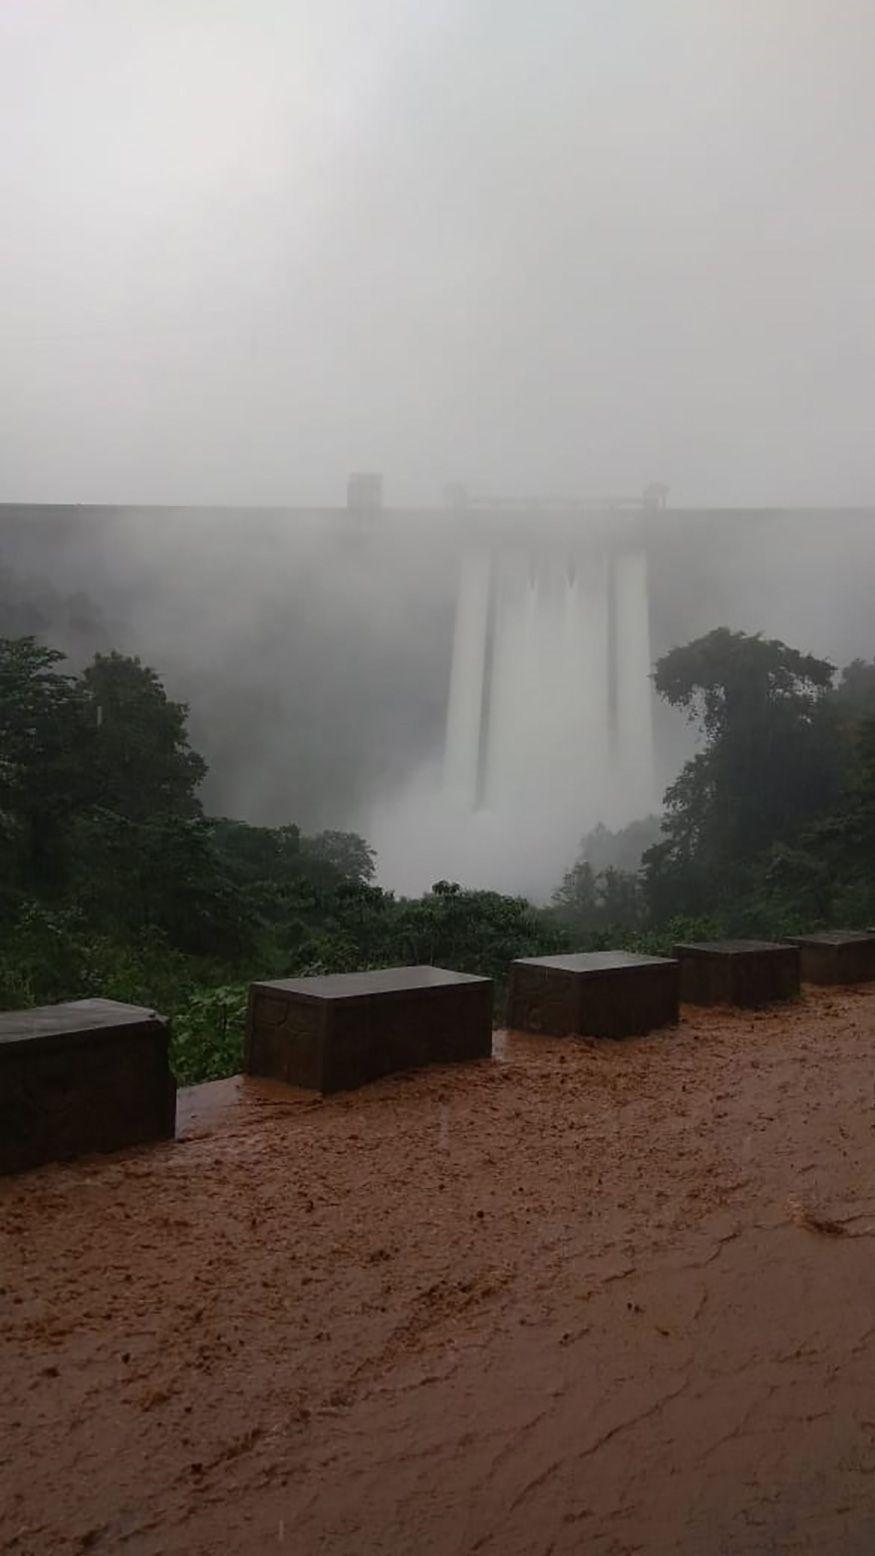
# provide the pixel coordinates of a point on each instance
(95, 1075)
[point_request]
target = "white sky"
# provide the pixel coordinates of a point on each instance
(534, 245)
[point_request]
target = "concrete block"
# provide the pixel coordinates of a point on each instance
(593, 994)
(737, 972)
(90, 1075)
(340, 1031)
(837, 956)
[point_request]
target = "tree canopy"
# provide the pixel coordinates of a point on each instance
(139, 758)
(113, 881)
(772, 759)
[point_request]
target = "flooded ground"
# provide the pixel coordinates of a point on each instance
(587, 1297)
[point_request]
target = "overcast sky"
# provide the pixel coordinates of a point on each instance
(533, 245)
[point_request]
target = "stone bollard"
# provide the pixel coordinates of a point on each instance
(592, 994)
(837, 956)
(737, 972)
(91, 1075)
(340, 1031)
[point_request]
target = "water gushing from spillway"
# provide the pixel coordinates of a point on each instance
(549, 718)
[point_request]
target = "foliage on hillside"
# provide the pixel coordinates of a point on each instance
(113, 882)
(768, 827)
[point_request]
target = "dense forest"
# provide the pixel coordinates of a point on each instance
(114, 882)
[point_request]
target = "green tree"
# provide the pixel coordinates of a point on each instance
(576, 900)
(258, 854)
(587, 902)
(621, 850)
(620, 900)
(160, 873)
(773, 759)
(474, 931)
(140, 762)
(40, 744)
(338, 856)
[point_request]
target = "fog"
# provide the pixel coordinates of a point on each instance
(567, 249)
(318, 651)
(579, 245)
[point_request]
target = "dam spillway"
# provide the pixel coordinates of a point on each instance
(549, 690)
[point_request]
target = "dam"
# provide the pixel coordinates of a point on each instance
(467, 685)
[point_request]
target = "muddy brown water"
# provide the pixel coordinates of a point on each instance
(587, 1297)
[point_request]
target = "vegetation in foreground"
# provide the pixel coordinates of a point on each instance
(113, 882)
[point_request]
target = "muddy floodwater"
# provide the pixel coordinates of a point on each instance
(583, 1298)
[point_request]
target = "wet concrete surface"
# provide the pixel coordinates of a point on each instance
(586, 1297)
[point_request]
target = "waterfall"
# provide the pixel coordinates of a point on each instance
(548, 725)
(549, 710)
(634, 760)
(465, 704)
